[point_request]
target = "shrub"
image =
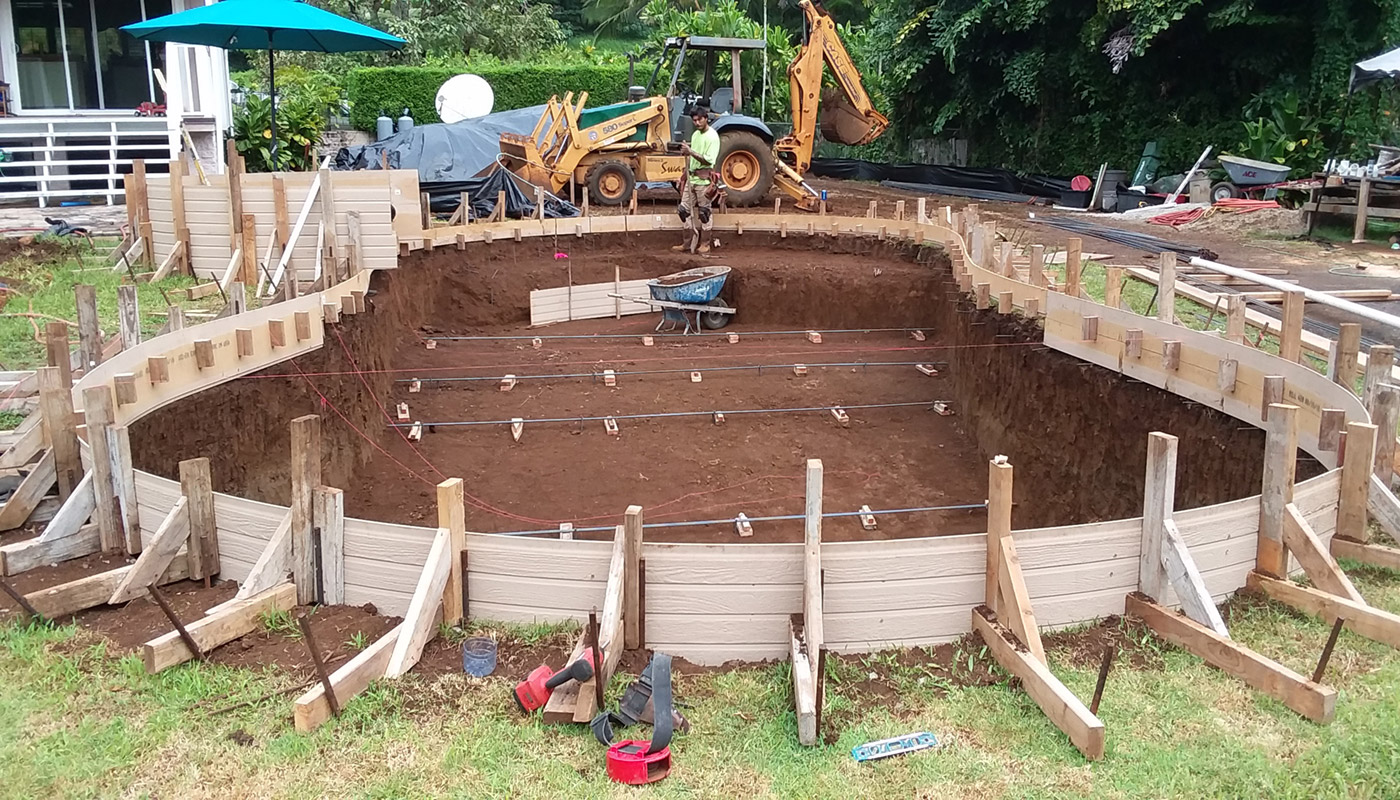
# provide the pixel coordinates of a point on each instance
(391, 89)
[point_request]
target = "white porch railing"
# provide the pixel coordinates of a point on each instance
(50, 159)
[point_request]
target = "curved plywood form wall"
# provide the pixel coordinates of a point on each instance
(715, 603)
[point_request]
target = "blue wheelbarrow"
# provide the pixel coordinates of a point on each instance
(694, 290)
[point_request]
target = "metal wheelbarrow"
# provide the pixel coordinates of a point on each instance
(1247, 175)
(694, 290)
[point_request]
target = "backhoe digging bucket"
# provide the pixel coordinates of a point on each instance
(841, 122)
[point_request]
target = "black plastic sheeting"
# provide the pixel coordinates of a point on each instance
(445, 196)
(980, 178)
(442, 152)
(958, 191)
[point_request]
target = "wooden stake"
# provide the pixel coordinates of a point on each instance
(129, 317)
(1234, 318)
(452, 516)
(196, 484)
(56, 415)
(1166, 287)
(1357, 465)
(1113, 287)
(812, 602)
(1379, 362)
(306, 476)
(631, 579)
(1291, 337)
(89, 334)
(328, 516)
(97, 413)
(1280, 465)
(1344, 366)
(56, 347)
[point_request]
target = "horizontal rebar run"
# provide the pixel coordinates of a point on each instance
(599, 374)
(775, 518)
(726, 412)
(668, 335)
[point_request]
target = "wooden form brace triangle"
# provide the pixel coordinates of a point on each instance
(807, 630)
(63, 539)
(1016, 645)
(575, 702)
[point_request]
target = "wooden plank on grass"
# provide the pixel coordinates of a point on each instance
(1369, 621)
(1060, 705)
(1317, 562)
(156, 556)
(1312, 700)
(420, 623)
(217, 629)
(93, 590)
(353, 677)
(1373, 554)
(28, 494)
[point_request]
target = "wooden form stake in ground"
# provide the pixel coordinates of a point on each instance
(329, 517)
(353, 677)
(197, 487)
(1165, 561)
(156, 557)
(631, 580)
(129, 316)
(56, 411)
(89, 334)
(452, 517)
(306, 476)
(807, 634)
(98, 415)
(1343, 366)
(1356, 483)
(124, 477)
(1385, 412)
(1166, 287)
(1017, 648)
(1280, 465)
(1380, 359)
(56, 347)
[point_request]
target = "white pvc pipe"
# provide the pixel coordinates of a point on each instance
(1379, 317)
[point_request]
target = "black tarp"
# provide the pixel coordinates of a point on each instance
(984, 179)
(446, 196)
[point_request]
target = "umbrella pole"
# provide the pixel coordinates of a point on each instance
(272, 97)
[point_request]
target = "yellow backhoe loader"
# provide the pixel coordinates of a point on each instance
(610, 148)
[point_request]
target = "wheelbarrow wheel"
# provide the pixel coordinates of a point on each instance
(714, 320)
(1224, 190)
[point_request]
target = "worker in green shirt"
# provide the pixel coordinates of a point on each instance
(696, 186)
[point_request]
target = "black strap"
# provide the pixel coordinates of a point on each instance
(663, 719)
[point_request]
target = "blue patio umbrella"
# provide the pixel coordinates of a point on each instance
(265, 25)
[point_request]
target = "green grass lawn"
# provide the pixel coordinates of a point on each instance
(80, 723)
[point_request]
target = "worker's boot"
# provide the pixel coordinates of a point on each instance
(704, 247)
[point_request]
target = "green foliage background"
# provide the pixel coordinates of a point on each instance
(390, 89)
(1029, 83)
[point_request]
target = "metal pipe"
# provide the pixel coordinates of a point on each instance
(776, 518)
(668, 335)
(599, 374)
(1379, 317)
(662, 415)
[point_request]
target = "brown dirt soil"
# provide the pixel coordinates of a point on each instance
(1084, 647)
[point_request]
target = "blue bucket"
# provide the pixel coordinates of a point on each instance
(479, 656)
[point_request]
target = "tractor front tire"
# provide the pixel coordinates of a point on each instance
(611, 183)
(746, 167)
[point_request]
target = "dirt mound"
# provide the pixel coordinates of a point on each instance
(1266, 222)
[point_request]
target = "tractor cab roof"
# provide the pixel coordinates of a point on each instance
(714, 43)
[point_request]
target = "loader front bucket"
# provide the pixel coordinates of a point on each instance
(841, 122)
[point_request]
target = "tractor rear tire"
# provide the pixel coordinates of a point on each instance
(746, 167)
(611, 183)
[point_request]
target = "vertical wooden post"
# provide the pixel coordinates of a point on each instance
(330, 246)
(56, 414)
(631, 578)
(97, 412)
(923, 210)
(306, 476)
(1363, 203)
(1357, 464)
(197, 485)
(1074, 265)
(177, 211)
(1158, 501)
(140, 207)
(283, 230)
(236, 167)
(329, 517)
(124, 476)
(56, 347)
(1008, 266)
(175, 319)
(998, 528)
(452, 515)
(1037, 268)
(357, 243)
(89, 334)
(1280, 466)
(1386, 415)
(1113, 287)
(812, 556)
(425, 211)
(1380, 360)
(1343, 366)
(248, 270)
(1234, 318)
(1290, 345)
(238, 297)
(1166, 287)
(129, 317)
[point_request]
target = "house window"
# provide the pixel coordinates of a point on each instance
(71, 54)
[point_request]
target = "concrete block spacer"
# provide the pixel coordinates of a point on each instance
(403, 412)
(430, 344)
(917, 336)
(415, 387)
(742, 526)
(799, 369)
(537, 342)
(415, 434)
(733, 338)
(867, 518)
(517, 428)
(814, 337)
(647, 341)
(695, 377)
(841, 416)
(508, 383)
(943, 409)
(719, 417)
(566, 531)
(610, 425)
(609, 378)
(927, 369)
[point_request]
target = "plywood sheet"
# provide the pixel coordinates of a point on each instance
(586, 301)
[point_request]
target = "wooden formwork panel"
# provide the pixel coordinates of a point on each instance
(586, 301)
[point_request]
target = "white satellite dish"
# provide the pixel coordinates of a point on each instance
(464, 97)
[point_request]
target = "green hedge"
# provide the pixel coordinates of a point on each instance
(390, 89)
